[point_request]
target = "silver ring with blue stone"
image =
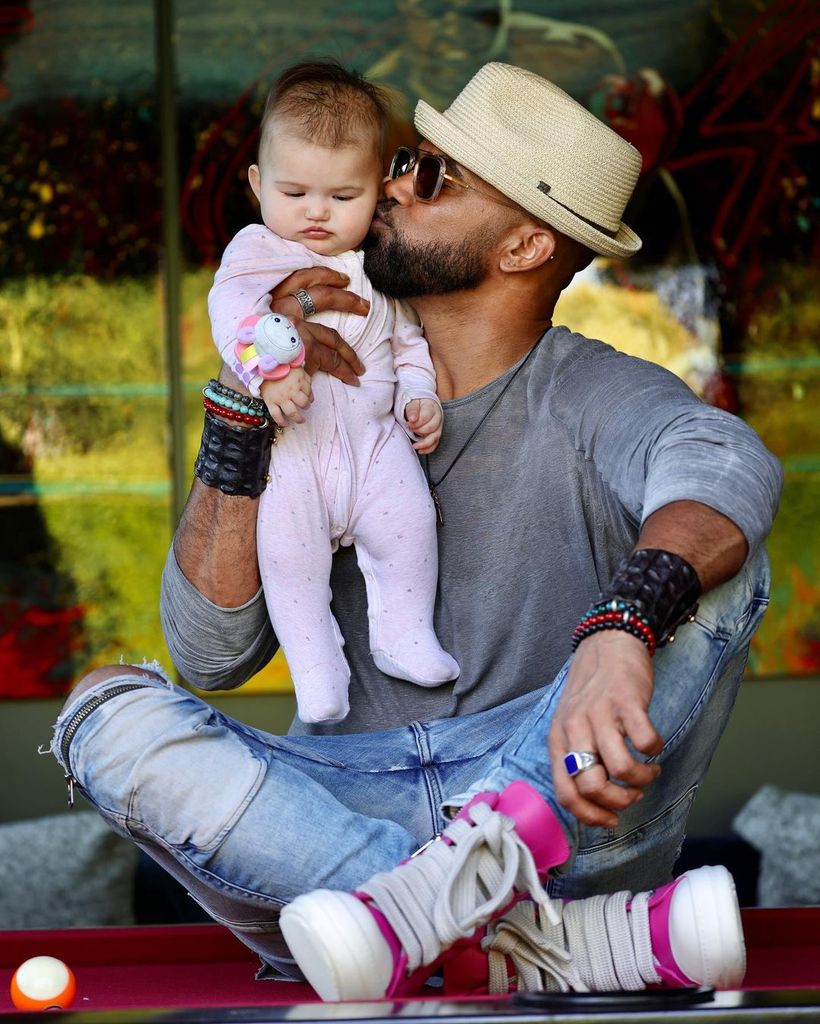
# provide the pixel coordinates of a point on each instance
(577, 761)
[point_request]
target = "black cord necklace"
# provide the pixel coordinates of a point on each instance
(434, 485)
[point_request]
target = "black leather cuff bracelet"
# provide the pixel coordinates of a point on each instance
(661, 585)
(234, 459)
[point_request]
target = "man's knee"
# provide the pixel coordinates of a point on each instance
(103, 674)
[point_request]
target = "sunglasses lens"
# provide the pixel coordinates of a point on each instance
(428, 177)
(402, 162)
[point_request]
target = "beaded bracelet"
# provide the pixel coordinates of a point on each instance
(651, 594)
(234, 409)
(236, 415)
(615, 613)
(255, 404)
(230, 399)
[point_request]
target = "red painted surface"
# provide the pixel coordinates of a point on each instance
(157, 967)
(204, 965)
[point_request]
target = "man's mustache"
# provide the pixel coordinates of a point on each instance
(383, 207)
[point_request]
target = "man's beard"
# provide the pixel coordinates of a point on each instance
(406, 270)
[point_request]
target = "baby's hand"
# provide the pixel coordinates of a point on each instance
(424, 417)
(284, 398)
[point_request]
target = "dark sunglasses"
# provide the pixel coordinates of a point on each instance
(429, 175)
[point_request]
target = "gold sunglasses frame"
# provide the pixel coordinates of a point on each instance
(443, 176)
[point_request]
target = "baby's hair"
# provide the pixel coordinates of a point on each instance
(330, 104)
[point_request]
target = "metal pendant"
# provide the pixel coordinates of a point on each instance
(437, 503)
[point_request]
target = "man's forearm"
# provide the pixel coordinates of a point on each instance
(710, 542)
(215, 545)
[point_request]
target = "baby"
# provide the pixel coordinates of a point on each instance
(343, 470)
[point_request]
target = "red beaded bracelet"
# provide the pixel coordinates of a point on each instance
(231, 414)
(616, 614)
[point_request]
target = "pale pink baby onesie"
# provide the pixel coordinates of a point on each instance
(347, 475)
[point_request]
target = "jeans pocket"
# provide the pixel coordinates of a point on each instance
(194, 783)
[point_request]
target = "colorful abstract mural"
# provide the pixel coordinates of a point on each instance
(722, 99)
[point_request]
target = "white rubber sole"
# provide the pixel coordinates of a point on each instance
(338, 945)
(706, 932)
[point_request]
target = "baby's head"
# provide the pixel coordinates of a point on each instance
(321, 156)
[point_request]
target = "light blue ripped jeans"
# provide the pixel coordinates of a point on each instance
(246, 820)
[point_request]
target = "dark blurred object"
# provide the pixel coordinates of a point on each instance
(734, 853)
(160, 899)
(41, 622)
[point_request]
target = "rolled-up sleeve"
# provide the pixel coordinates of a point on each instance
(717, 459)
(655, 442)
(213, 648)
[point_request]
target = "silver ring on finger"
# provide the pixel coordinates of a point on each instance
(305, 301)
(577, 761)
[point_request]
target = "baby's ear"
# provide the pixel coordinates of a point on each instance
(255, 180)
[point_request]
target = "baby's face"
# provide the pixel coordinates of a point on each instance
(320, 196)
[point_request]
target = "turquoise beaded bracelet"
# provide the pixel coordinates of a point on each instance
(256, 405)
(233, 402)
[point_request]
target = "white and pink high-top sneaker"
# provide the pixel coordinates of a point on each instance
(472, 905)
(686, 933)
(391, 935)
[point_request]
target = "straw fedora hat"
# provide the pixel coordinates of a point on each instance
(543, 150)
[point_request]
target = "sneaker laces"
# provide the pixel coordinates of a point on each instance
(600, 944)
(536, 947)
(445, 894)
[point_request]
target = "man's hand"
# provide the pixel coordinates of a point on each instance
(424, 417)
(286, 397)
(605, 702)
(324, 348)
(607, 692)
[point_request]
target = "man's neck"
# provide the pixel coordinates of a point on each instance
(473, 341)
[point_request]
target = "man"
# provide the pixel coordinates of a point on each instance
(568, 472)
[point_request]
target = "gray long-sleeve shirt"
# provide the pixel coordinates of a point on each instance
(547, 497)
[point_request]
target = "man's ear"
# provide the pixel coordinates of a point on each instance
(528, 246)
(255, 179)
